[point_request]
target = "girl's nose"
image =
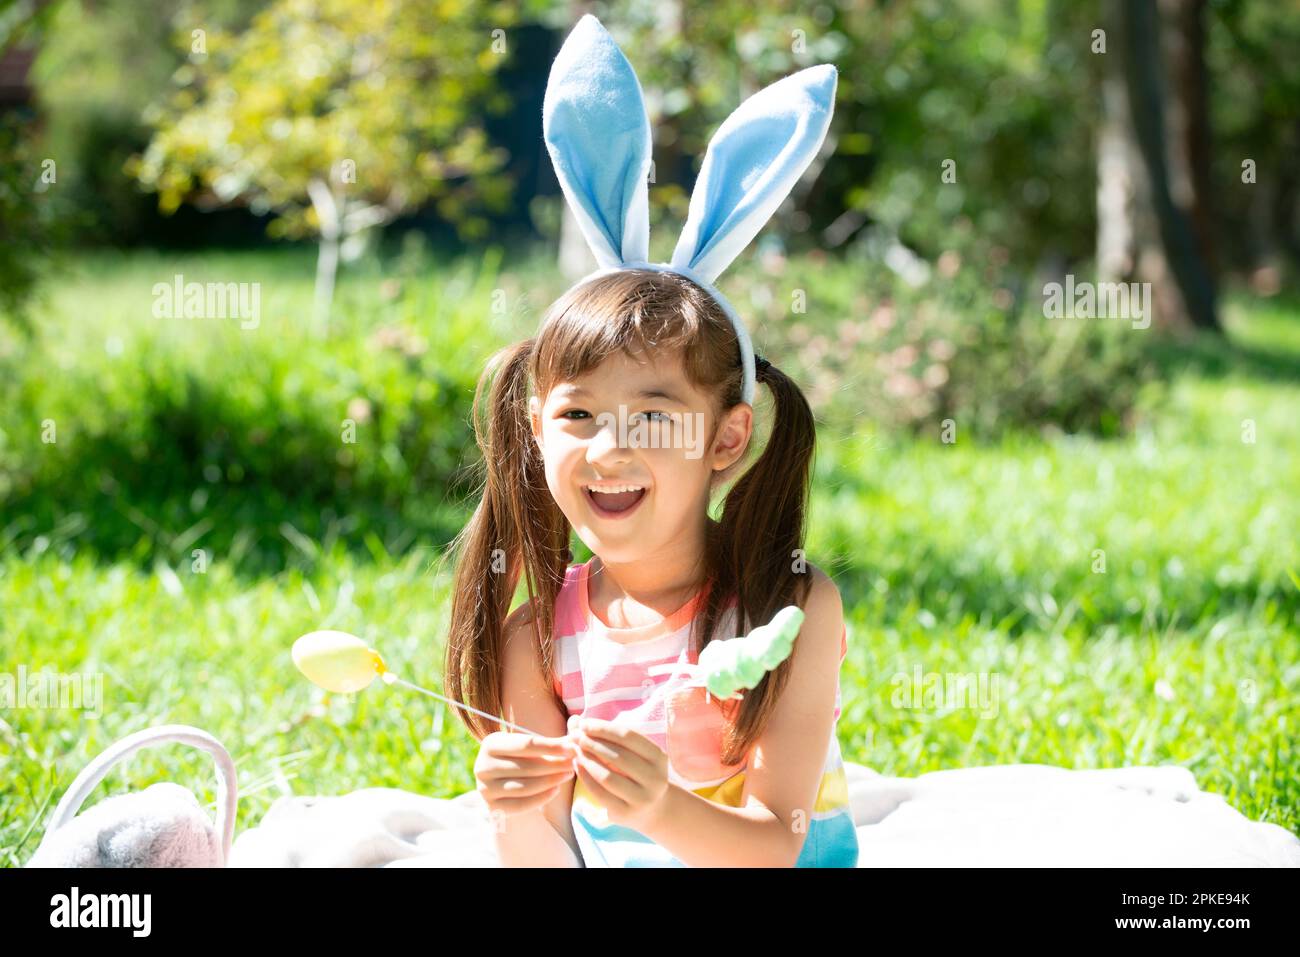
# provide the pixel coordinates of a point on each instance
(604, 446)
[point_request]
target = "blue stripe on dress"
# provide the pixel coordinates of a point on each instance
(831, 842)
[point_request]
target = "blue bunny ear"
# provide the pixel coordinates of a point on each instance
(752, 163)
(596, 129)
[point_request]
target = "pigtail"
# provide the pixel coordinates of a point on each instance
(756, 550)
(516, 529)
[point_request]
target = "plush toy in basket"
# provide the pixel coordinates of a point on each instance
(162, 826)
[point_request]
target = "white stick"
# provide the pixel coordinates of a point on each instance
(389, 678)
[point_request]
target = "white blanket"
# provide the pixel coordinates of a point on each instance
(1011, 815)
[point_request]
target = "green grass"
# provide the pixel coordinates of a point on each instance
(174, 433)
(962, 558)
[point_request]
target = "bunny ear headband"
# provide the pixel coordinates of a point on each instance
(597, 131)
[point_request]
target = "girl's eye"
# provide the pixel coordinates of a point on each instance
(663, 416)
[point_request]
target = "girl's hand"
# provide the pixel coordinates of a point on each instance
(521, 772)
(626, 772)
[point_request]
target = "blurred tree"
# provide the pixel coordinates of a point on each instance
(1254, 57)
(998, 93)
(1182, 34)
(99, 65)
(1153, 156)
(696, 65)
(1006, 94)
(25, 228)
(29, 230)
(337, 116)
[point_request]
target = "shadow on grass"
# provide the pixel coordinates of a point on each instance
(257, 532)
(1238, 353)
(1211, 357)
(266, 485)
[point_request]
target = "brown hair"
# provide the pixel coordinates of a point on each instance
(518, 528)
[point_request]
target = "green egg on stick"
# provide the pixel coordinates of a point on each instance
(740, 663)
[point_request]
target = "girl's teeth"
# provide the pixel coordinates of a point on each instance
(617, 498)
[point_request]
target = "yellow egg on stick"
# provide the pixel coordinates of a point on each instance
(337, 661)
(343, 663)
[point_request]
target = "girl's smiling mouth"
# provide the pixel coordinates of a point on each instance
(615, 504)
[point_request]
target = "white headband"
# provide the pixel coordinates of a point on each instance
(597, 131)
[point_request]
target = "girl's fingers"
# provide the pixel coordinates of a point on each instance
(603, 797)
(512, 787)
(530, 803)
(554, 746)
(591, 744)
(629, 763)
(524, 765)
(532, 745)
(618, 734)
(610, 781)
(529, 747)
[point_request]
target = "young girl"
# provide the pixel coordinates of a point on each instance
(635, 768)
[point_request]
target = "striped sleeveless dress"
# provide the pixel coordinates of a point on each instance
(602, 673)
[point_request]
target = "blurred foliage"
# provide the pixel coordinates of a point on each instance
(1253, 57)
(935, 292)
(99, 66)
(1008, 91)
(163, 435)
(1005, 90)
(393, 88)
(180, 433)
(29, 231)
(968, 344)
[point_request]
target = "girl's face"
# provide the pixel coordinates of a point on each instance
(642, 424)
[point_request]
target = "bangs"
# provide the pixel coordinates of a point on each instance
(639, 312)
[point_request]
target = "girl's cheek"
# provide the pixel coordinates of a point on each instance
(566, 452)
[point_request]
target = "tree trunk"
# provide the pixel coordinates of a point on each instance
(327, 265)
(1183, 39)
(1117, 184)
(329, 216)
(1142, 231)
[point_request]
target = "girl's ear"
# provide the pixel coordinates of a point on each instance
(535, 418)
(733, 436)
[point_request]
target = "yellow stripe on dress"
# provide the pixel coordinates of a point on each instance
(832, 793)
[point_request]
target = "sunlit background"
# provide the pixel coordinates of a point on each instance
(1099, 510)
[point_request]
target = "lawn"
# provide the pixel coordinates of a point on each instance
(1131, 601)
